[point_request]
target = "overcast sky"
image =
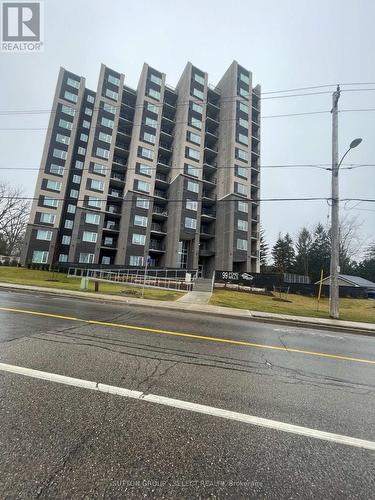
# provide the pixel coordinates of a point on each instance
(286, 44)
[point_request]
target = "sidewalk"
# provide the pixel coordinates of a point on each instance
(225, 312)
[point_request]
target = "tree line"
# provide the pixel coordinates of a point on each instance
(14, 214)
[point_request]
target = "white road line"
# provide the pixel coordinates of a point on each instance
(193, 407)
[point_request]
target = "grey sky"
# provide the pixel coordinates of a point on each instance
(286, 44)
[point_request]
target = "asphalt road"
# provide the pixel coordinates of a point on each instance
(64, 441)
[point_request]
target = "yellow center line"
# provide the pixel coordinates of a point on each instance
(189, 335)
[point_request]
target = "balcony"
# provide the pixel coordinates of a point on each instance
(206, 232)
(114, 193)
(206, 250)
(163, 164)
(160, 194)
(119, 161)
(210, 181)
(158, 228)
(117, 178)
(165, 146)
(114, 209)
(111, 226)
(207, 195)
(161, 180)
(208, 214)
(156, 246)
(159, 213)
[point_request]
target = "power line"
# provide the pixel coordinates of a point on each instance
(316, 87)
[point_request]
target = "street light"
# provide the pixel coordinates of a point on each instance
(353, 144)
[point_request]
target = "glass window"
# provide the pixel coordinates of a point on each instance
(90, 98)
(59, 153)
(106, 260)
(194, 138)
(54, 185)
(69, 96)
(40, 257)
(151, 122)
(76, 179)
(107, 123)
(102, 153)
(65, 240)
(154, 94)
(56, 169)
(88, 111)
(244, 107)
(143, 186)
(105, 137)
(242, 155)
(190, 223)
(68, 224)
(149, 137)
(194, 122)
(197, 107)
(243, 123)
(145, 169)
(192, 205)
(89, 236)
(244, 78)
(81, 150)
(68, 110)
(41, 234)
(72, 83)
(241, 171)
(50, 202)
(109, 108)
(63, 257)
(71, 209)
(152, 107)
(147, 153)
(155, 79)
(93, 201)
(139, 220)
(193, 153)
(243, 206)
(136, 260)
(199, 78)
(65, 124)
(192, 170)
(64, 139)
(241, 244)
(142, 203)
(79, 165)
(244, 139)
(92, 219)
(113, 79)
(98, 185)
(193, 186)
(86, 124)
(86, 258)
(100, 169)
(244, 93)
(242, 189)
(47, 218)
(74, 193)
(111, 94)
(138, 239)
(84, 137)
(198, 93)
(242, 225)
(108, 241)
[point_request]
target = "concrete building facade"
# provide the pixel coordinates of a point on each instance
(172, 174)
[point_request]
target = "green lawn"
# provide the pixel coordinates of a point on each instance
(42, 278)
(350, 309)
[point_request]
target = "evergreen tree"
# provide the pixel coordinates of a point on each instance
(264, 251)
(283, 254)
(320, 253)
(303, 247)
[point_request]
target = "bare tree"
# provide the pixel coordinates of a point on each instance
(14, 214)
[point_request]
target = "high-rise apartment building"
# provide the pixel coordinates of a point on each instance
(169, 173)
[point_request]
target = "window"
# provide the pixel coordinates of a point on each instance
(106, 260)
(53, 185)
(74, 193)
(155, 79)
(197, 107)
(97, 185)
(56, 169)
(151, 107)
(244, 107)
(244, 139)
(241, 189)
(100, 169)
(146, 153)
(242, 225)
(142, 203)
(244, 93)
(84, 137)
(69, 96)
(63, 257)
(88, 111)
(41, 234)
(79, 165)
(194, 154)
(148, 138)
(105, 137)
(242, 155)
(46, 218)
(71, 209)
(194, 138)
(65, 124)
(143, 186)
(109, 108)
(102, 153)
(92, 219)
(76, 179)
(199, 78)
(40, 257)
(194, 122)
(93, 201)
(243, 123)
(192, 205)
(190, 223)
(154, 94)
(241, 171)
(241, 244)
(50, 202)
(86, 258)
(198, 93)
(138, 239)
(72, 83)
(145, 169)
(68, 111)
(191, 170)
(108, 241)
(111, 94)
(139, 220)
(86, 124)
(107, 123)
(91, 98)
(89, 236)
(81, 151)
(64, 139)
(68, 224)
(114, 80)
(65, 240)
(136, 260)
(244, 78)
(193, 187)
(151, 122)
(243, 206)
(59, 153)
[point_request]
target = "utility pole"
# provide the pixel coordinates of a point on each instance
(335, 238)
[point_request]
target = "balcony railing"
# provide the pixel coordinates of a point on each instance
(160, 211)
(157, 227)
(160, 194)
(156, 245)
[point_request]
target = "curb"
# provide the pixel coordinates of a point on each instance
(220, 311)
